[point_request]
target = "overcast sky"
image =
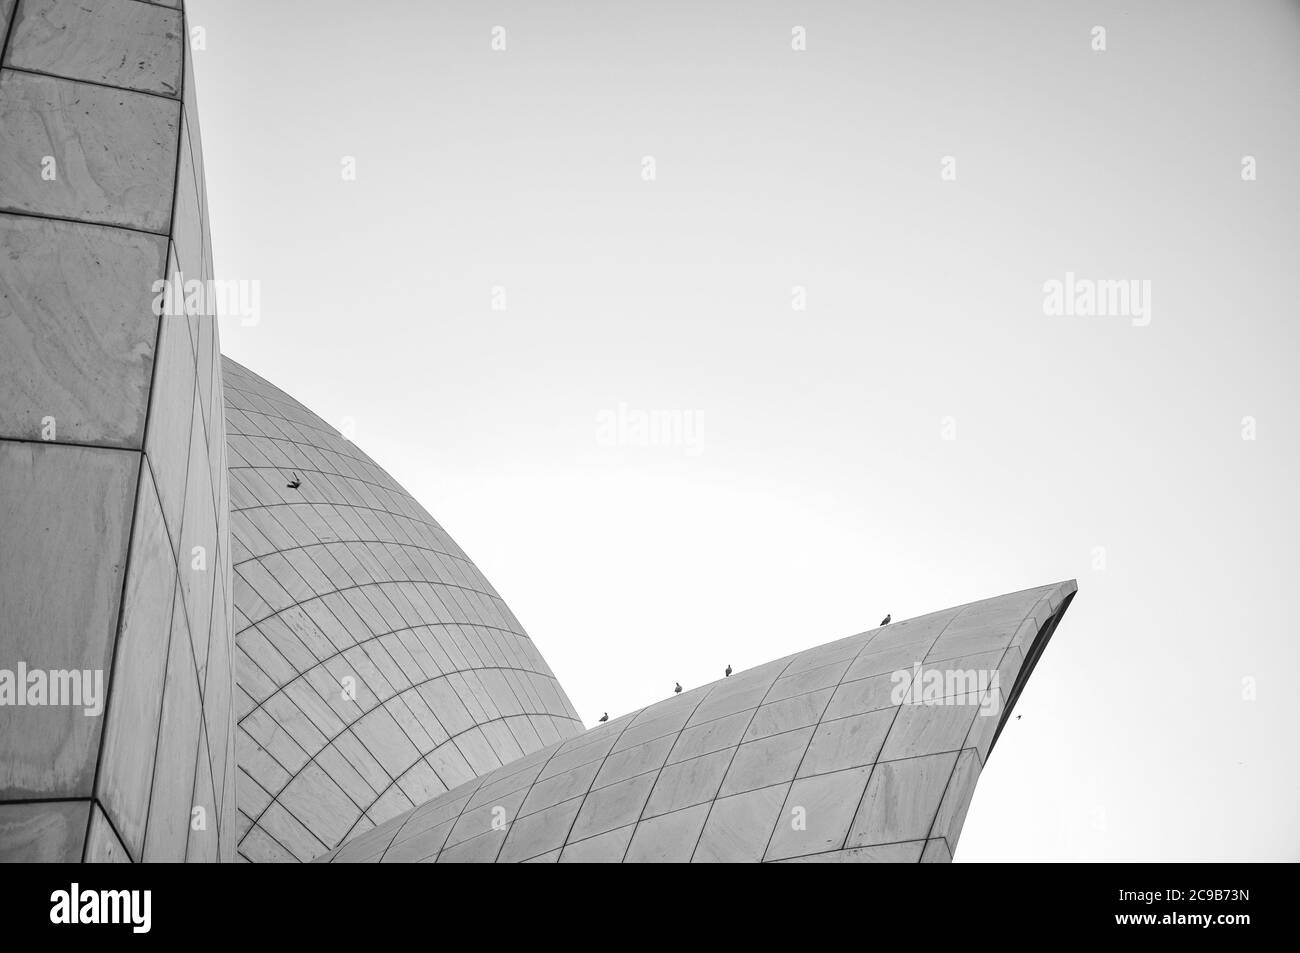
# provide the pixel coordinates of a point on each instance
(502, 292)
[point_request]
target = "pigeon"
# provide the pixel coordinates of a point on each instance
(678, 689)
(885, 620)
(728, 671)
(1017, 717)
(294, 483)
(604, 717)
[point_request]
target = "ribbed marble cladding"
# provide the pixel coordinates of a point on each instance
(287, 658)
(113, 539)
(376, 668)
(865, 750)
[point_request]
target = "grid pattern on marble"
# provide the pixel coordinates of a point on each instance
(112, 447)
(804, 759)
(345, 582)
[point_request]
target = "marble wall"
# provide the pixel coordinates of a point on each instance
(376, 667)
(114, 553)
(225, 632)
(813, 758)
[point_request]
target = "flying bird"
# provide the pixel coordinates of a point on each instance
(885, 620)
(294, 483)
(678, 689)
(728, 671)
(604, 717)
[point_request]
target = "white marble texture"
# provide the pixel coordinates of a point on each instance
(115, 152)
(78, 330)
(65, 518)
(121, 43)
(833, 770)
(91, 105)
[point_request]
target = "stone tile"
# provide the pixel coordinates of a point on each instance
(630, 762)
(540, 833)
(290, 834)
(1009, 669)
(905, 853)
(607, 848)
(963, 678)
(738, 827)
(688, 782)
(383, 736)
(956, 797)
(102, 845)
(734, 700)
(1025, 634)
(576, 753)
(768, 761)
(864, 695)
(450, 765)
(518, 775)
(364, 843)
(43, 832)
(440, 810)
(115, 150)
(787, 714)
(65, 515)
(668, 838)
(203, 833)
(985, 726)
(823, 655)
(901, 800)
(197, 565)
(187, 227)
(193, 121)
(817, 814)
(261, 845)
(421, 846)
(825, 676)
(982, 640)
(496, 815)
(911, 632)
(216, 434)
(78, 329)
(928, 729)
(320, 804)
(389, 805)
(846, 743)
(116, 42)
(550, 857)
(204, 328)
(168, 444)
(131, 725)
(482, 849)
(709, 737)
(560, 788)
(886, 661)
(615, 806)
(166, 835)
(420, 783)
(936, 852)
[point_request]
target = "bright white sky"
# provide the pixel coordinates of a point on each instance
(823, 494)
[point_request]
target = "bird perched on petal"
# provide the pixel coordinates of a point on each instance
(885, 620)
(678, 689)
(604, 717)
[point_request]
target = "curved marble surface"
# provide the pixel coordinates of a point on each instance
(346, 582)
(811, 758)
